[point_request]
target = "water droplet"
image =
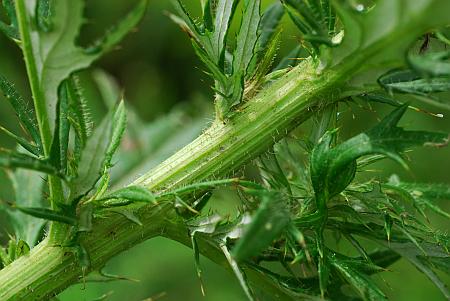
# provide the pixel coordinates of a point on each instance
(440, 115)
(359, 7)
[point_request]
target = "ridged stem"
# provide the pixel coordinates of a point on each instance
(220, 150)
(57, 231)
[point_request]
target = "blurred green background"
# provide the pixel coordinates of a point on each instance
(159, 74)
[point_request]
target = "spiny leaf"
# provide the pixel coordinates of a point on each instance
(323, 270)
(44, 15)
(269, 24)
(267, 224)
(118, 128)
(116, 34)
(362, 283)
(21, 107)
(4, 258)
(11, 30)
(60, 143)
(132, 193)
(10, 159)
(16, 249)
(79, 117)
(208, 15)
(426, 195)
(247, 36)
(97, 154)
(197, 261)
(205, 225)
(332, 169)
(431, 64)
(238, 273)
(22, 248)
(209, 43)
(223, 16)
(55, 52)
(272, 173)
(411, 253)
(441, 263)
(23, 142)
(315, 19)
(48, 214)
(384, 258)
(407, 81)
(185, 21)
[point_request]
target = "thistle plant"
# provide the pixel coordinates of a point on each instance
(309, 192)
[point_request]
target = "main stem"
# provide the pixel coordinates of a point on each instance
(55, 187)
(220, 150)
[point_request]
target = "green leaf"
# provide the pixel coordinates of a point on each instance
(79, 116)
(48, 214)
(60, 143)
(208, 16)
(185, 21)
(407, 81)
(431, 64)
(365, 35)
(361, 282)
(333, 168)
(11, 30)
(116, 34)
(411, 253)
(28, 192)
(323, 270)
(267, 224)
(22, 248)
(44, 15)
(269, 24)
(91, 166)
(21, 107)
(210, 47)
(247, 36)
(384, 258)
(224, 13)
(132, 193)
(118, 128)
(23, 142)
(315, 20)
(441, 263)
(426, 195)
(13, 160)
(272, 173)
(4, 258)
(238, 273)
(55, 53)
(262, 63)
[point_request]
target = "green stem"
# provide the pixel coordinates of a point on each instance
(220, 150)
(57, 231)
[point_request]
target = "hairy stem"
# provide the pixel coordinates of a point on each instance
(218, 151)
(55, 186)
